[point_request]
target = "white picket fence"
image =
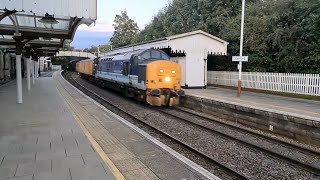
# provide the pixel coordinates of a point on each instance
(307, 84)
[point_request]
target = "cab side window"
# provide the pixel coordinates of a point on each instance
(146, 55)
(155, 54)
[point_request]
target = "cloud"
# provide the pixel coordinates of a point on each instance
(85, 39)
(99, 26)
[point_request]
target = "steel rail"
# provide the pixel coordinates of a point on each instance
(296, 163)
(228, 170)
(270, 139)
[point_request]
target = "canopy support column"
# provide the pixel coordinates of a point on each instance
(36, 69)
(37, 65)
(19, 47)
(32, 70)
(28, 56)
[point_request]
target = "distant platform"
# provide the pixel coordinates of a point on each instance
(285, 105)
(295, 118)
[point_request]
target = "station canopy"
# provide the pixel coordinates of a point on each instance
(42, 24)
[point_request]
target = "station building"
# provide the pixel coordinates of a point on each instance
(190, 50)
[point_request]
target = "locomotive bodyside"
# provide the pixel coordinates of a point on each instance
(146, 75)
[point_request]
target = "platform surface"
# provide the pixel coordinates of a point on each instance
(133, 154)
(303, 108)
(57, 132)
(40, 139)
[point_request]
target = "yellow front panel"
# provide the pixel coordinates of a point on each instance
(163, 74)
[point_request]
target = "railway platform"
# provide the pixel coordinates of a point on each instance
(40, 138)
(299, 107)
(296, 118)
(60, 133)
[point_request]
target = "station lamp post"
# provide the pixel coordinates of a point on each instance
(241, 58)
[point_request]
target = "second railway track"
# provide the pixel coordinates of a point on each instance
(254, 141)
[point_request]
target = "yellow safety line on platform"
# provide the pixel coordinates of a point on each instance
(94, 143)
(99, 150)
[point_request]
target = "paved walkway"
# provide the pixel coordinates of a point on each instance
(284, 105)
(41, 140)
(60, 134)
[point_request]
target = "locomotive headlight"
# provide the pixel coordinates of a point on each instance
(161, 71)
(167, 79)
(173, 72)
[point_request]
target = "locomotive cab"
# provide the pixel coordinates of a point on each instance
(163, 83)
(161, 76)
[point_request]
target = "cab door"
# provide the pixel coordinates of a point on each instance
(125, 68)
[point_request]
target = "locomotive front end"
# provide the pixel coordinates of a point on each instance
(163, 83)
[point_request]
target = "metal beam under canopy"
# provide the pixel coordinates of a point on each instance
(29, 19)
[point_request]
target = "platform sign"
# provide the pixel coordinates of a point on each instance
(240, 58)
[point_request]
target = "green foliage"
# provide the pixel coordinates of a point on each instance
(125, 30)
(94, 49)
(63, 61)
(67, 46)
(280, 36)
(105, 47)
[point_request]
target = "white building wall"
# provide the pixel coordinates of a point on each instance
(182, 62)
(196, 48)
(43, 63)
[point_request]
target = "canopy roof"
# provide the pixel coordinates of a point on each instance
(22, 18)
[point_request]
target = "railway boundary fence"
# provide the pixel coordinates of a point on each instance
(306, 84)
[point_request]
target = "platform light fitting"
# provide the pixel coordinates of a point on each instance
(46, 38)
(48, 19)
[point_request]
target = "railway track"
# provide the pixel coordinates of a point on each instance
(240, 136)
(195, 123)
(226, 169)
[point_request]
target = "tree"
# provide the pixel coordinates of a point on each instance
(280, 35)
(125, 30)
(67, 46)
(105, 47)
(92, 50)
(63, 61)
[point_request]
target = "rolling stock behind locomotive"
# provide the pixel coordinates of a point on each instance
(146, 75)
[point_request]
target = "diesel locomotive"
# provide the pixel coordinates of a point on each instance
(146, 75)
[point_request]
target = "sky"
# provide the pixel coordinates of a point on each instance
(141, 11)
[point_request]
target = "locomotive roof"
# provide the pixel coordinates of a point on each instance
(128, 55)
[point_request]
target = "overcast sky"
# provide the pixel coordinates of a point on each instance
(141, 11)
